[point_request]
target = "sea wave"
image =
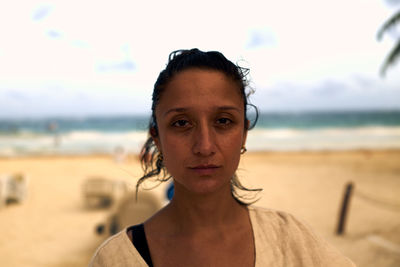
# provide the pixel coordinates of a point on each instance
(369, 137)
(276, 139)
(74, 142)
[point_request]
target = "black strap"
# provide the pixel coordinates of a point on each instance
(140, 242)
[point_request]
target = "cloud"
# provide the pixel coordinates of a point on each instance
(260, 38)
(14, 95)
(41, 13)
(126, 65)
(329, 88)
(53, 34)
(392, 2)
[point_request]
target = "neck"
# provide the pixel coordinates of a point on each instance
(204, 211)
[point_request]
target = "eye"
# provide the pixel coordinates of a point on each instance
(224, 121)
(180, 123)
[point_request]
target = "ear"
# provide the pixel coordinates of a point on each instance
(247, 125)
(154, 135)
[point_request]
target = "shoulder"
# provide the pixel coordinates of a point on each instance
(286, 235)
(276, 219)
(279, 225)
(282, 222)
(266, 215)
(117, 250)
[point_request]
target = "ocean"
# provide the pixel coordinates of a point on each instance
(281, 131)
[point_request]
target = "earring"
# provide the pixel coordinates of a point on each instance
(243, 150)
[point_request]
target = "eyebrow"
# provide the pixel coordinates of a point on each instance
(175, 110)
(183, 109)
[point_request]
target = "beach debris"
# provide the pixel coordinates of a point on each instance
(13, 188)
(350, 193)
(119, 154)
(344, 208)
(384, 243)
(130, 211)
(101, 192)
(52, 127)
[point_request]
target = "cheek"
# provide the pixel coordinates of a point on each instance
(233, 142)
(230, 147)
(234, 157)
(174, 151)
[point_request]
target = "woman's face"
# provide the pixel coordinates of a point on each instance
(200, 119)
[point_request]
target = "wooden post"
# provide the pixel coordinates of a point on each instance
(344, 208)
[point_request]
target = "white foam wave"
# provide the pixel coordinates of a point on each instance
(285, 139)
(327, 138)
(76, 142)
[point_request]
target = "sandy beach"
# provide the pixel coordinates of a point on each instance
(53, 228)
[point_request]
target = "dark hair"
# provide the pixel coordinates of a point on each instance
(178, 61)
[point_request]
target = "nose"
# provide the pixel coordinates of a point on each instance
(204, 140)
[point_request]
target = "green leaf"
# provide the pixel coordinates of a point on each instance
(391, 59)
(391, 22)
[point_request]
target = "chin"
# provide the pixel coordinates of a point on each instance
(206, 187)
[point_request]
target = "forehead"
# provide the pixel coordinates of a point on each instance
(201, 88)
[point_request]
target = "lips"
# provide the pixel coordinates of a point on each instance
(205, 166)
(206, 169)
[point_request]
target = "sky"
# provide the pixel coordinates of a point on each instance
(92, 58)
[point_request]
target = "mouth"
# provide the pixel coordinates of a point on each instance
(206, 169)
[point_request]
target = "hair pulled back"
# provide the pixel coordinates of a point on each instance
(178, 61)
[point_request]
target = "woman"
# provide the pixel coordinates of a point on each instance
(198, 132)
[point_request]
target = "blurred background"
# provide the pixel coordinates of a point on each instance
(76, 79)
(84, 70)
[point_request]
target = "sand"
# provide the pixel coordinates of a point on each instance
(53, 228)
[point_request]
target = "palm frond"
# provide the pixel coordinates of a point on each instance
(391, 59)
(391, 22)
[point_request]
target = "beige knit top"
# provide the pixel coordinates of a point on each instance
(280, 240)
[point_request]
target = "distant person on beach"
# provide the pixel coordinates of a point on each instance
(52, 127)
(197, 134)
